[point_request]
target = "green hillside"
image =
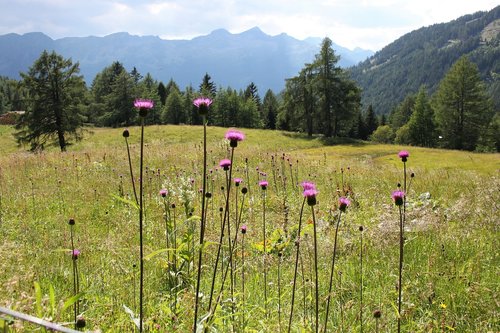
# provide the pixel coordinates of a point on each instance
(425, 55)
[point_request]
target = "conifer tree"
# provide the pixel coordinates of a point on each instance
(421, 127)
(463, 107)
(54, 103)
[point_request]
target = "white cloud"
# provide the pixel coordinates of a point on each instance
(365, 23)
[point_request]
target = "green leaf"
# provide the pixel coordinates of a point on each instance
(126, 201)
(52, 300)
(157, 252)
(72, 300)
(38, 298)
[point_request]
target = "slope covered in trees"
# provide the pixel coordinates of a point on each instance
(424, 56)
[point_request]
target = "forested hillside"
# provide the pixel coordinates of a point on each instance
(425, 55)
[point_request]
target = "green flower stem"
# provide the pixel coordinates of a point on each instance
(316, 271)
(297, 244)
(332, 271)
(202, 224)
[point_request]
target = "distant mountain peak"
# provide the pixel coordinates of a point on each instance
(231, 59)
(255, 31)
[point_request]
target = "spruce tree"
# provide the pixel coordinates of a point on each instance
(421, 127)
(462, 105)
(54, 104)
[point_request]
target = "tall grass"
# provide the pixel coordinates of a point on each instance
(451, 229)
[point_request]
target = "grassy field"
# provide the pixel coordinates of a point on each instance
(451, 265)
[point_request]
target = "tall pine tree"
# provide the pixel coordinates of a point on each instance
(56, 96)
(462, 105)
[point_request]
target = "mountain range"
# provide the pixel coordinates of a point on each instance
(421, 57)
(233, 60)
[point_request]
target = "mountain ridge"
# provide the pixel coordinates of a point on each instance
(423, 56)
(232, 60)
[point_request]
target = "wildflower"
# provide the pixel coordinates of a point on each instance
(263, 184)
(238, 181)
(244, 190)
(398, 196)
(244, 229)
(234, 136)
(202, 103)
(75, 253)
(310, 195)
(71, 221)
(442, 306)
(403, 155)
(163, 192)
(126, 133)
(225, 164)
(343, 203)
(143, 105)
(377, 314)
(308, 185)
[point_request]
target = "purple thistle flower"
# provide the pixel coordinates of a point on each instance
(244, 229)
(225, 164)
(163, 192)
(263, 184)
(143, 105)
(398, 197)
(75, 253)
(306, 185)
(310, 195)
(237, 181)
(403, 155)
(343, 203)
(234, 136)
(202, 103)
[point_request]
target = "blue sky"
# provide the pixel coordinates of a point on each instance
(369, 24)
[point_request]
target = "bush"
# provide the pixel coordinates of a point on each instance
(383, 134)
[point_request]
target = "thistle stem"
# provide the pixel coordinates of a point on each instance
(316, 271)
(331, 273)
(401, 243)
(141, 254)
(297, 244)
(202, 227)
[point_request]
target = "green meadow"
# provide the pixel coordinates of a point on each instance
(451, 265)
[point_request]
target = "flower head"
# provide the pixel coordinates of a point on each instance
(163, 192)
(71, 221)
(398, 197)
(237, 181)
(75, 253)
(202, 103)
(244, 229)
(306, 185)
(310, 195)
(126, 133)
(263, 184)
(343, 203)
(234, 136)
(143, 105)
(403, 155)
(225, 164)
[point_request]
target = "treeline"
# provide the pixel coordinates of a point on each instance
(322, 99)
(459, 115)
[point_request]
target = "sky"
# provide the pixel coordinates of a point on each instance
(368, 24)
